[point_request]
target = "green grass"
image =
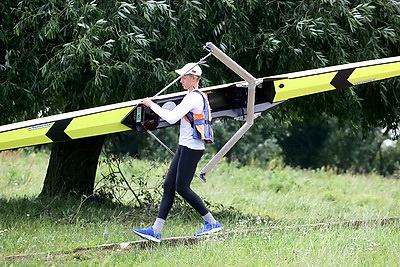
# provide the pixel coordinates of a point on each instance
(288, 195)
(249, 200)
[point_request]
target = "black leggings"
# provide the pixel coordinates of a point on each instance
(179, 177)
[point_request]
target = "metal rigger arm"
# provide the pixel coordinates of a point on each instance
(252, 83)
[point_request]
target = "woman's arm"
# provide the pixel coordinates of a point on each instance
(172, 116)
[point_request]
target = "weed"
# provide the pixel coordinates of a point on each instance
(117, 185)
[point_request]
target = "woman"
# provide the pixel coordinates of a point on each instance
(186, 158)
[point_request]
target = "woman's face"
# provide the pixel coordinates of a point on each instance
(189, 82)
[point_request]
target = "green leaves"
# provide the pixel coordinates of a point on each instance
(87, 54)
(315, 34)
(69, 55)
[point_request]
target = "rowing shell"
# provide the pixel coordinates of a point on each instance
(227, 100)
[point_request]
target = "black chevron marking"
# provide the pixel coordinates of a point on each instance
(340, 81)
(56, 132)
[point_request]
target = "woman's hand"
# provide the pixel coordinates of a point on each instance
(147, 102)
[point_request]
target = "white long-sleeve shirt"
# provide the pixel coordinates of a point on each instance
(191, 102)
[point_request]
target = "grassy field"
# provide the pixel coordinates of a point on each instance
(257, 207)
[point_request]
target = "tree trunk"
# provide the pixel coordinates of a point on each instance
(72, 167)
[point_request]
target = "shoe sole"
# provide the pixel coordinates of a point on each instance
(148, 237)
(212, 231)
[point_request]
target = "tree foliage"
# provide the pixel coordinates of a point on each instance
(58, 56)
(68, 55)
(313, 34)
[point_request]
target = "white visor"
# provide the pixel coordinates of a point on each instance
(190, 68)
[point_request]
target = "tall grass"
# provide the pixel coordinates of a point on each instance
(303, 196)
(246, 200)
(22, 173)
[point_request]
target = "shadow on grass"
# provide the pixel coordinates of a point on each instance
(72, 210)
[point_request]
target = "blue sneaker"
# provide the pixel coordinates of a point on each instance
(148, 234)
(209, 228)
